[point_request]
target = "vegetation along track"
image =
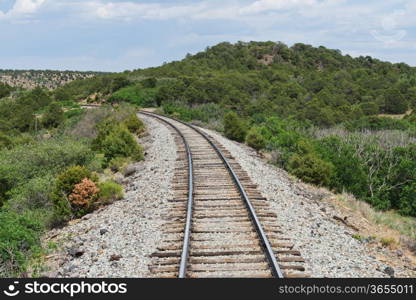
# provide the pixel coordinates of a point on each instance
(218, 224)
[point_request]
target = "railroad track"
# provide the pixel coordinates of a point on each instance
(218, 224)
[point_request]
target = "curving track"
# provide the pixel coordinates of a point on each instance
(218, 224)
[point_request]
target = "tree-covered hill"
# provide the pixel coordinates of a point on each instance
(312, 84)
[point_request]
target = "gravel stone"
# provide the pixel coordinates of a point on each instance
(129, 170)
(389, 271)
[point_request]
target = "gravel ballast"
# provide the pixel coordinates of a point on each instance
(116, 241)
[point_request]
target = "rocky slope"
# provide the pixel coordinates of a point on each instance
(30, 79)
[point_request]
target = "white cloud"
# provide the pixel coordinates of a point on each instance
(268, 5)
(26, 6)
(22, 8)
(134, 11)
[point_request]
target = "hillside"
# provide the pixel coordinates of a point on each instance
(29, 79)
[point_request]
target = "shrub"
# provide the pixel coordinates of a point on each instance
(387, 241)
(150, 82)
(34, 194)
(117, 163)
(369, 108)
(5, 141)
(109, 192)
(64, 186)
(121, 143)
(83, 196)
(310, 168)
(67, 180)
(349, 170)
(255, 140)
(134, 124)
(408, 200)
(53, 116)
(234, 127)
(19, 236)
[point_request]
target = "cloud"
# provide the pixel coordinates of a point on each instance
(270, 5)
(26, 6)
(130, 11)
(22, 9)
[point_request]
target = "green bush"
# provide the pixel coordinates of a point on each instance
(149, 82)
(134, 124)
(117, 163)
(349, 170)
(19, 238)
(109, 192)
(66, 181)
(234, 127)
(311, 168)
(254, 139)
(5, 141)
(369, 108)
(408, 200)
(64, 186)
(33, 194)
(120, 143)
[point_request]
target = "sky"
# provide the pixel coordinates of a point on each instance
(118, 35)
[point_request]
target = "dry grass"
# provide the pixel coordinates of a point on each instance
(398, 117)
(390, 227)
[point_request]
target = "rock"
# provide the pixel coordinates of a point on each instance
(70, 269)
(389, 271)
(103, 231)
(399, 253)
(115, 257)
(129, 170)
(75, 252)
(118, 178)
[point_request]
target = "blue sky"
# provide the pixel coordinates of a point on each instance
(117, 35)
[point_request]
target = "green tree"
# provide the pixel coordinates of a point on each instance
(149, 83)
(53, 116)
(369, 108)
(5, 90)
(395, 103)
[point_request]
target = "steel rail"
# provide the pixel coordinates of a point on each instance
(188, 224)
(274, 266)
